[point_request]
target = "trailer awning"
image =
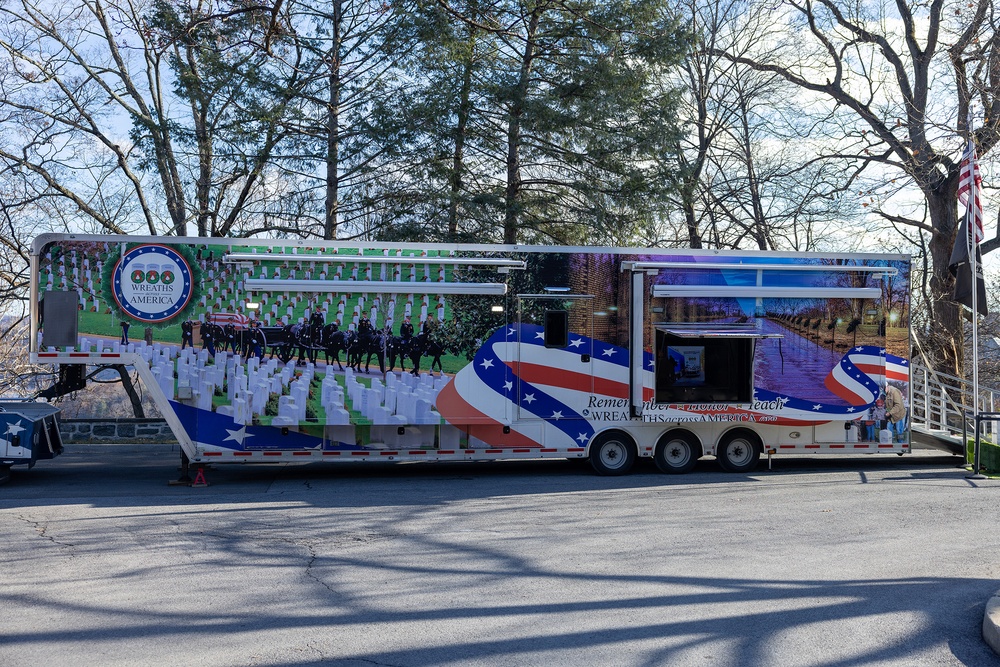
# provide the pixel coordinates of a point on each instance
(761, 292)
(654, 267)
(501, 264)
(713, 331)
(373, 286)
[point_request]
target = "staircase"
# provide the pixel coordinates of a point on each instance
(941, 410)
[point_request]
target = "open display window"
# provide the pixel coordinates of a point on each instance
(698, 364)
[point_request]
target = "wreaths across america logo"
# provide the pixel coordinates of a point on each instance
(152, 283)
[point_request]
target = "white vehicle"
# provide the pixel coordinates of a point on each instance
(262, 350)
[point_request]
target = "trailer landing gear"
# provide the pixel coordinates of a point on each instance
(185, 478)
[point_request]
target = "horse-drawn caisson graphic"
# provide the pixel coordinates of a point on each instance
(265, 350)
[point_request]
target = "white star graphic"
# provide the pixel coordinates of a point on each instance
(540, 334)
(576, 343)
(529, 398)
(582, 437)
(238, 436)
(508, 385)
(511, 332)
(14, 429)
(850, 409)
(817, 406)
(608, 352)
(557, 415)
(487, 363)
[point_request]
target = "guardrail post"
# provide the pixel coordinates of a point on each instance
(944, 410)
(927, 402)
(993, 424)
(965, 438)
(975, 454)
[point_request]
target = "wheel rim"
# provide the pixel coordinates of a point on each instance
(613, 454)
(676, 453)
(739, 452)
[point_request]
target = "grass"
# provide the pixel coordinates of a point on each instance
(989, 457)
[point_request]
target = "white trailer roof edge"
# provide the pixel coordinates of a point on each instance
(42, 240)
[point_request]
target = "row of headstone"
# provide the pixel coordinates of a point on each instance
(402, 400)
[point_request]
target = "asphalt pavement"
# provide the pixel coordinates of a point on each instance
(865, 560)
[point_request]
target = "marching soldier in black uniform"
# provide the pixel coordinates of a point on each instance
(257, 340)
(187, 334)
(208, 336)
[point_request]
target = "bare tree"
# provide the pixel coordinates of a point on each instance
(748, 172)
(96, 92)
(874, 65)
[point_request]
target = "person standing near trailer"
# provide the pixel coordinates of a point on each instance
(870, 423)
(124, 325)
(895, 409)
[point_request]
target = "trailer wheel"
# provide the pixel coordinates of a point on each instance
(739, 451)
(612, 453)
(677, 452)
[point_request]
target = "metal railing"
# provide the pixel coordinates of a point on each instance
(943, 404)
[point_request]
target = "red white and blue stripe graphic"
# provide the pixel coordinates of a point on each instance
(540, 392)
(857, 379)
(527, 385)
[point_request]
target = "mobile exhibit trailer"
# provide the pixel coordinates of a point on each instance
(262, 350)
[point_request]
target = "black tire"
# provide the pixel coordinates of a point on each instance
(612, 453)
(677, 452)
(739, 451)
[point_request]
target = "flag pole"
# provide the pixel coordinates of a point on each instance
(971, 241)
(970, 213)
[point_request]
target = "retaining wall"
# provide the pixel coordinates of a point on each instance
(115, 430)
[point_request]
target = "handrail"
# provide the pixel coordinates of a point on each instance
(941, 402)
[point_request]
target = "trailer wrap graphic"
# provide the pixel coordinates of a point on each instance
(413, 348)
(152, 283)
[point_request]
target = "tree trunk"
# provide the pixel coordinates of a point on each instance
(133, 396)
(333, 129)
(457, 166)
(946, 336)
(513, 194)
(694, 238)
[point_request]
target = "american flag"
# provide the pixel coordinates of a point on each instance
(238, 320)
(970, 182)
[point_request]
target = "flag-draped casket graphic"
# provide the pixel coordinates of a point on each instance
(238, 320)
